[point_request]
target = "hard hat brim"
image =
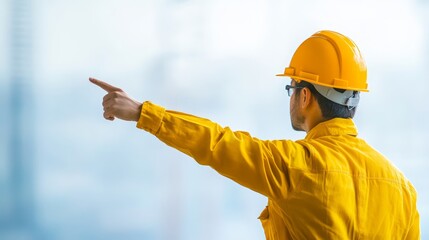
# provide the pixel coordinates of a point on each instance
(299, 79)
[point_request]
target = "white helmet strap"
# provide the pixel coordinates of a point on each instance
(348, 98)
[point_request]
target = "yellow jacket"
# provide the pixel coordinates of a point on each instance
(330, 185)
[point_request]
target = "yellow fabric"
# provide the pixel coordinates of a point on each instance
(330, 185)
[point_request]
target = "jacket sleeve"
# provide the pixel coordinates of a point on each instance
(262, 166)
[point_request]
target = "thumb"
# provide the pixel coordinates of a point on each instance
(107, 87)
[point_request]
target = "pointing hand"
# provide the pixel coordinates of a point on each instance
(117, 103)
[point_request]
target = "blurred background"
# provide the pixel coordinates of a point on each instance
(66, 173)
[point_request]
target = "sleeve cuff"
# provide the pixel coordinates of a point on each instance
(151, 117)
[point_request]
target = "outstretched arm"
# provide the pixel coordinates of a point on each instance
(117, 103)
(258, 165)
(263, 166)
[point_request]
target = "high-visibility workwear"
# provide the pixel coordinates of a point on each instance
(329, 59)
(330, 185)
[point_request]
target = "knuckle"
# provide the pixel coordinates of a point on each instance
(118, 93)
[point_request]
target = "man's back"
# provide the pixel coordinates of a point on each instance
(344, 189)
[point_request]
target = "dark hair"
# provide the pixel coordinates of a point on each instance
(329, 109)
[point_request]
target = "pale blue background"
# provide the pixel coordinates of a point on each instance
(95, 179)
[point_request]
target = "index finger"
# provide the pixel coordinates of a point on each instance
(107, 87)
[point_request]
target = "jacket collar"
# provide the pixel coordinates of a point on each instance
(333, 127)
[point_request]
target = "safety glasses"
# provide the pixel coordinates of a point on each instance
(290, 89)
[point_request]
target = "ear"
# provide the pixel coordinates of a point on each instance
(305, 98)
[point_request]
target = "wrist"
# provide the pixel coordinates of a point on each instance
(138, 112)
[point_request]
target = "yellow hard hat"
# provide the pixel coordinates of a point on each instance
(329, 59)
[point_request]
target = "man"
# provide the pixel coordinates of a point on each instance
(330, 185)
